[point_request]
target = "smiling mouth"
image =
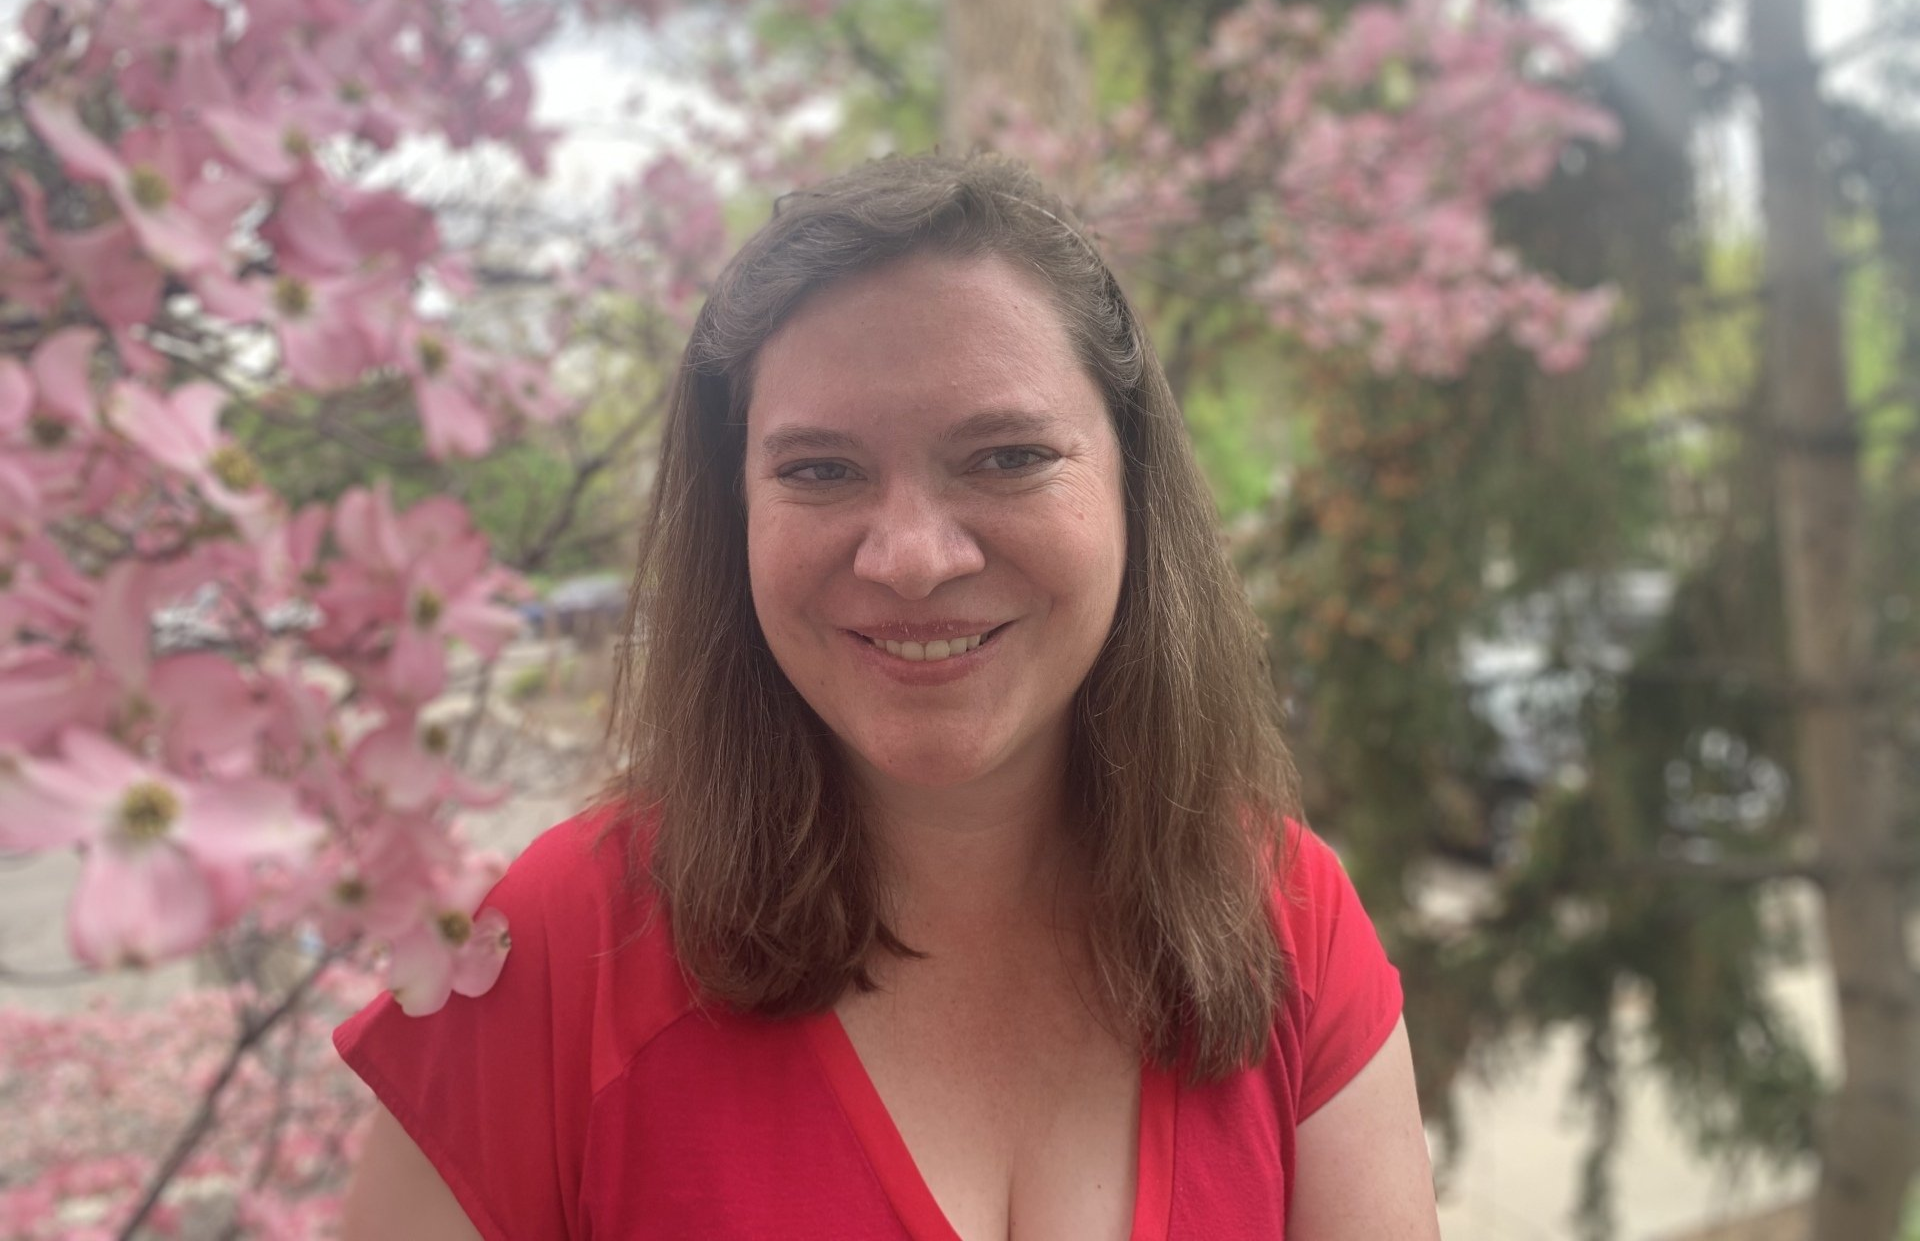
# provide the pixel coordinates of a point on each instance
(936, 650)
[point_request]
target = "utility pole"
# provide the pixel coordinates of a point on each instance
(1026, 53)
(1870, 1136)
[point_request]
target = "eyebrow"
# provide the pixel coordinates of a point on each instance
(986, 424)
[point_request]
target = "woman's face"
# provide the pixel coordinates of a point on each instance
(935, 523)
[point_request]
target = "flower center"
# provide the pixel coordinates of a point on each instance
(455, 927)
(433, 355)
(292, 297)
(426, 609)
(149, 188)
(148, 811)
(47, 432)
(234, 467)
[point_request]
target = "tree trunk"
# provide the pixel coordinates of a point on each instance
(1023, 53)
(1868, 1137)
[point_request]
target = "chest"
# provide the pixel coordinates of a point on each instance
(732, 1128)
(1019, 1109)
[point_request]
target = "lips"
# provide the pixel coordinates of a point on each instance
(930, 650)
(925, 631)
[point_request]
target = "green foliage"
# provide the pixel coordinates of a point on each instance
(886, 57)
(1238, 416)
(551, 500)
(529, 683)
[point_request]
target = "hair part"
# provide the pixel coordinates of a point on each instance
(1178, 776)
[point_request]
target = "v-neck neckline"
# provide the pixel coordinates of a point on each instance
(907, 1189)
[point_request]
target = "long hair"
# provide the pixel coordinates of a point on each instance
(1178, 776)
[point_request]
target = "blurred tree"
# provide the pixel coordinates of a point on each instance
(1760, 735)
(1562, 625)
(1847, 753)
(1028, 52)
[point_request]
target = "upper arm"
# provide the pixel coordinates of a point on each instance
(396, 1193)
(1362, 1171)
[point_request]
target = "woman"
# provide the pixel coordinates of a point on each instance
(949, 892)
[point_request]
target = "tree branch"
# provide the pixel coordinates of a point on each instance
(251, 1033)
(1745, 871)
(1894, 27)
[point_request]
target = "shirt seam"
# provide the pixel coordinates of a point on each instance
(1347, 1067)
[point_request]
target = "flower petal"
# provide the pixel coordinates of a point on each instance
(179, 432)
(477, 965)
(101, 765)
(391, 759)
(60, 369)
(82, 154)
(139, 906)
(118, 628)
(118, 280)
(321, 351)
(16, 396)
(42, 692)
(246, 820)
(455, 426)
(416, 670)
(176, 240)
(35, 813)
(421, 972)
(210, 718)
(257, 146)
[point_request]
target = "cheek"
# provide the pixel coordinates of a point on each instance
(1094, 546)
(775, 567)
(1074, 554)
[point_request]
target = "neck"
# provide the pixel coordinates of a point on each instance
(980, 859)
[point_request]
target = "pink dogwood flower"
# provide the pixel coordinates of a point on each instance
(149, 199)
(408, 583)
(182, 432)
(166, 860)
(450, 948)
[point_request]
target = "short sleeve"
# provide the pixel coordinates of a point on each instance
(1350, 992)
(496, 1090)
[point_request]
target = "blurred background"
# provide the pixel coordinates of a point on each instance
(1595, 600)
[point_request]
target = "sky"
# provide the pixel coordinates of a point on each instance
(585, 79)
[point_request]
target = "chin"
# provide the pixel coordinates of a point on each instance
(934, 762)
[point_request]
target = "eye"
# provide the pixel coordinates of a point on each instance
(1015, 460)
(817, 472)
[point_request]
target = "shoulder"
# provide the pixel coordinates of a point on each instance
(1312, 894)
(590, 974)
(581, 864)
(1344, 995)
(498, 1090)
(589, 931)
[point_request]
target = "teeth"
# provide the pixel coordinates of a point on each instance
(929, 652)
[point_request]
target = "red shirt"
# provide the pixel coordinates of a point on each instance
(589, 1095)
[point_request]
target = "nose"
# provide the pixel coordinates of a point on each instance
(914, 543)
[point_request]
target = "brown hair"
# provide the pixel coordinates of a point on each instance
(1178, 774)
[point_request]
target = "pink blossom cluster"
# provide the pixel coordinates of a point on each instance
(177, 244)
(226, 706)
(93, 1097)
(1351, 192)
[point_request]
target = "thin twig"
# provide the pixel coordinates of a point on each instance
(277, 1123)
(252, 1031)
(1883, 35)
(463, 749)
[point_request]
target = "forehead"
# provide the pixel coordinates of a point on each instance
(928, 334)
